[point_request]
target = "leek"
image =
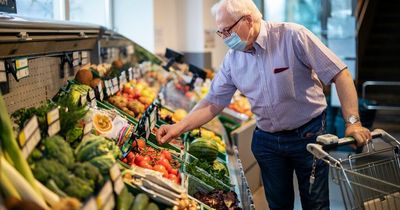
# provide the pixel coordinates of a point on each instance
(10, 147)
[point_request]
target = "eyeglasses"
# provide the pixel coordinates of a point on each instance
(227, 32)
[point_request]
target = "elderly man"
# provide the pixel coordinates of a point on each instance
(280, 68)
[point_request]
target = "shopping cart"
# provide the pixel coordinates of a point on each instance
(369, 180)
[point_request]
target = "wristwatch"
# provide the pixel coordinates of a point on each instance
(352, 119)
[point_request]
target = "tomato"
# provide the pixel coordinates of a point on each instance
(130, 157)
(125, 160)
(166, 154)
(140, 142)
(140, 158)
(145, 164)
(174, 178)
(133, 164)
(173, 171)
(165, 163)
(162, 169)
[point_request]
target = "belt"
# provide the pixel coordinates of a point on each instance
(293, 131)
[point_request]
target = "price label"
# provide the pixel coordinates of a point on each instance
(147, 128)
(2, 66)
(104, 194)
(115, 81)
(118, 185)
(75, 55)
(130, 74)
(84, 54)
(88, 128)
(83, 99)
(109, 204)
(100, 90)
(106, 83)
(31, 143)
(90, 204)
(54, 128)
(153, 118)
(92, 95)
(108, 91)
(53, 115)
(3, 76)
(115, 172)
(130, 50)
(75, 63)
(137, 72)
(28, 130)
(22, 68)
(21, 63)
(84, 61)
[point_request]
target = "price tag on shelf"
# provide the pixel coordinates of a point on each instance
(53, 121)
(108, 91)
(83, 99)
(84, 61)
(92, 95)
(3, 73)
(87, 129)
(31, 143)
(130, 73)
(90, 204)
(22, 68)
(153, 118)
(109, 204)
(130, 50)
(3, 76)
(115, 172)
(2, 66)
(104, 194)
(137, 72)
(118, 185)
(53, 115)
(147, 128)
(28, 130)
(75, 55)
(84, 54)
(100, 92)
(114, 81)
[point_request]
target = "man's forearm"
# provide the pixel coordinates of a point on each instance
(347, 93)
(203, 112)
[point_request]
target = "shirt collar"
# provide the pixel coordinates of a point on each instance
(262, 36)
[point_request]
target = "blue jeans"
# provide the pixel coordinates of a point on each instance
(279, 154)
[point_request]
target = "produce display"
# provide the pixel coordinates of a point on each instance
(74, 164)
(241, 105)
(134, 98)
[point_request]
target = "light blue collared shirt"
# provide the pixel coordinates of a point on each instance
(281, 77)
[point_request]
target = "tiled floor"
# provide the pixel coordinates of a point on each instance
(335, 198)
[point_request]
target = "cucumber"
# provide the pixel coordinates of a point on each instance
(141, 202)
(152, 206)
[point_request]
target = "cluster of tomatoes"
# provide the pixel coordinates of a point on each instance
(153, 159)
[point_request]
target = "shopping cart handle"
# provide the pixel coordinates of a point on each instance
(329, 141)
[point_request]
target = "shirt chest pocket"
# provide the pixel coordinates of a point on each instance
(282, 84)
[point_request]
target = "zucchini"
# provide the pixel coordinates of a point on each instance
(141, 202)
(152, 206)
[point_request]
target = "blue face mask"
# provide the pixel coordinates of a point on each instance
(234, 42)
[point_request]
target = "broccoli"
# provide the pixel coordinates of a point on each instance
(74, 134)
(78, 188)
(103, 163)
(46, 169)
(88, 172)
(57, 148)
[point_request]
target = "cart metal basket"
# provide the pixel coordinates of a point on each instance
(369, 180)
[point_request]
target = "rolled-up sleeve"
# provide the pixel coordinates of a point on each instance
(314, 54)
(222, 87)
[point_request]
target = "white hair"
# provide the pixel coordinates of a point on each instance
(238, 8)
